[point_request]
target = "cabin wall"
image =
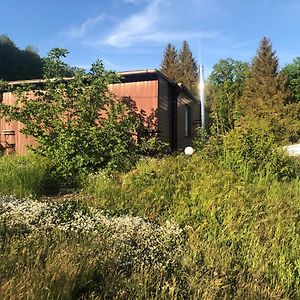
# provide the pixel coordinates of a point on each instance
(158, 99)
(165, 112)
(185, 121)
(12, 140)
(143, 93)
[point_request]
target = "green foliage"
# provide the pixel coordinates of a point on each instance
(16, 64)
(264, 96)
(226, 89)
(290, 124)
(181, 67)
(291, 121)
(170, 63)
(23, 176)
(292, 71)
(54, 67)
(241, 235)
(252, 151)
(76, 123)
(153, 147)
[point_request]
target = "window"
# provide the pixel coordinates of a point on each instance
(187, 121)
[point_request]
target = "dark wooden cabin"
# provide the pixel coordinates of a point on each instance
(175, 109)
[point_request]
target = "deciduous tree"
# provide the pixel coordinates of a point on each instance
(226, 89)
(292, 71)
(16, 64)
(76, 122)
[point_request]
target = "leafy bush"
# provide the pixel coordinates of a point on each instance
(77, 123)
(250, 152)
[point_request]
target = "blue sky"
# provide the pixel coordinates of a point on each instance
(132, 34)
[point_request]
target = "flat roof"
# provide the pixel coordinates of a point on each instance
(135, 74)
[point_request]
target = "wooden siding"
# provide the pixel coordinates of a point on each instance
(164, 111)
(143, 93)
(16, 141)
(182, 140)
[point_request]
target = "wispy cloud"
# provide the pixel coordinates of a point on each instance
(243, 44)
(135, 26)
(132, 1)
(112, 66)
(147, 26)
(81, 30)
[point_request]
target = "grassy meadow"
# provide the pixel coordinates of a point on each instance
(171, 228)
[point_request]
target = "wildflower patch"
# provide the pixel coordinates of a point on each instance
(133, 240)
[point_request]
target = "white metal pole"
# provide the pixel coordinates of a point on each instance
(202, 97)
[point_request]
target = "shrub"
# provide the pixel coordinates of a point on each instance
(23, 175)
(252, 152)
(77, 123)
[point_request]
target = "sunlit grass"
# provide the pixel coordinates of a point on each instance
(238, 236)
(22, 175)
(242, 235)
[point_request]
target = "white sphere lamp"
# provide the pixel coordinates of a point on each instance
(189, 151)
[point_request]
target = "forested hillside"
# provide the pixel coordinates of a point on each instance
(16, 64)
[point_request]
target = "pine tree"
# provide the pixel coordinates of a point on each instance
(188, 68)
(264, 88)
(170, 64)
(181, 67)
(263, 104)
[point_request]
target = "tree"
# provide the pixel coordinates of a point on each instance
(292, 107)
(170, 63)
(8, 57)
(264, 92)
(292, 71)
(16, 64)
(32, 63)
(226, 89)
(264, 96)
(181, 67)
(189, 73)
(76, 122)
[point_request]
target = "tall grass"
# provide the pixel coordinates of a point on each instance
(240, 235)
(71, 251)
(59, 266)
(22, 175)
(243, 237)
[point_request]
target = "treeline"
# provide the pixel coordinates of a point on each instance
(256, 95)
(17, 64)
